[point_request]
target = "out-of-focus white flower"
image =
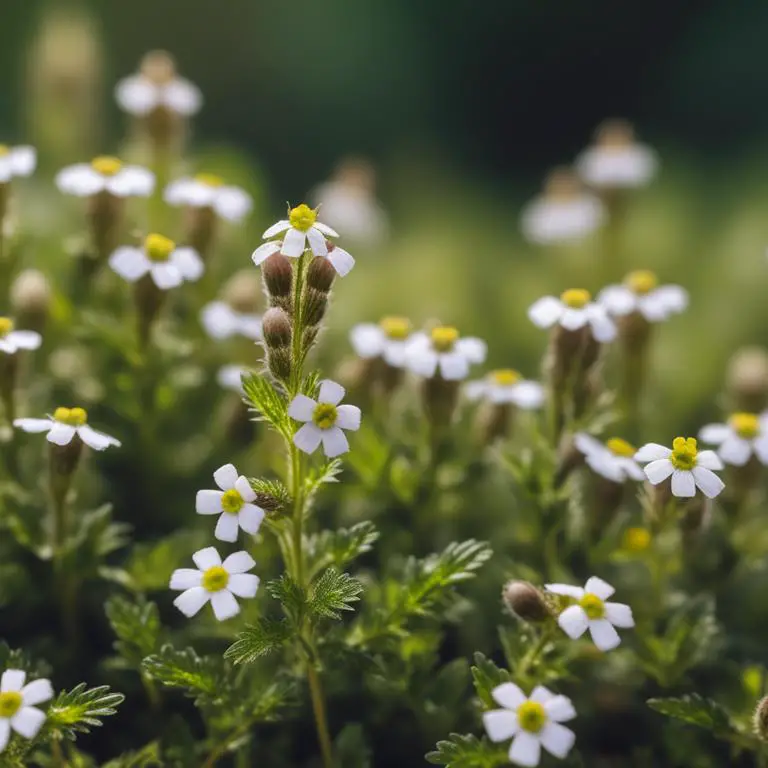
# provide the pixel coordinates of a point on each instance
(745, 435)
(507, 386)
(688, 467)
(300, 226)
(388, 339)
(324, 420)
(230, 377)
(16, 161)
(642, 293)
(593, 613)
(233, 503)
(11, 341)
(208, 191)
(613, 460)
(442, 350)
(531, 723)
(17, 705)
(64, 425)
(105, 174)
(215, 581)
(573, 310)
(168, 265)
(616, 160)
(221, 322)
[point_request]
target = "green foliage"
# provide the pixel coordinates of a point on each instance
(268, 403)
(82, 708)
(342, 546)
(486, 676)
(695, 710)
(271, 495)
(137, 626)
(291, 596)
(146, 757)
(333, 592)
(150, 565)
(318, 476)
(350, 749)
(185, 669)
(467, 752)
(259, 639)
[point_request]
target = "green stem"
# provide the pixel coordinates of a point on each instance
(321, 720)
(533, 653)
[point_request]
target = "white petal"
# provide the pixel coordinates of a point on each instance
(709, 483)
(37, 692)
(250, 326)
(326, 230)
(206, 558)
(587, 444)
(250, 518)
(317, 242)
(308, 438)
(182, 97)
(23, 160)
(557, 739)
(453, 366)
(243, 584)
(619, 615)
(560, 709)
(573, 621)
(604, 636)
(232, 203)
(477, 390)
(675, 297)
(188, 192)
(760, 447)
(239, 562)
(630, 468)
(7, 346)
(191, 601)
(227, 527)
(473, 349)
(659, 470)
(294, 243)
(527, 395)
(565, 589)
(225, 477)
(603, 328)
(330, 392)
(395, 352)
(25, 339)
(5, 733)
(653, 307)
(541, 694)
(596, 586)
(186, 578)
(188, 262)
(27, 722)
(617, 299)
(219, 320)
(573, 319)
(264, 251)
(422, 361)
(95, 439)
(132, 180)
(33, 425)
(348, 417)
(61, 434)
(652, 452)
(335, 442)
(508, 695)
(136, 95)
(708, 460)
(80, 180)
(341, 260)
(735, 450)
(302, 408)
(275, 229)
(130, 263)
(605, 464)
(683, 484)
(12, 680)
(166, 275)
(230, 377)
(525, 750)
(546, 311)
(243, 487)
(367, 340)
(500, 724)
(715, 433)
(224, 605)
(208, 502)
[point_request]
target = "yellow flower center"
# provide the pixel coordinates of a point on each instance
(6, 326)
(10, 702)
(302, 217)
(210, 179)
(444, 337)
(575, 298)
(636, 539)
(532, 716)
(620, 447)
(75, 417)
(106, 165)
(641, 281)
(325, 415)
(4, 150)
(398, 328)
(232, 501)
(215, 579)
(158, 247)
(684, 453)
(746, 425)
(593, 606)
(505, 377)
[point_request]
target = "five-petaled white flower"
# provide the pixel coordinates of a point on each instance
(11, 340)
(208, 191)
(442, 350)
(17, 705)
(387, 339)
(613, 460)
(215, 581)
(531, 723)
(168, 265)
(300, 226)
(573, 310)
(745, 435)
(324, 420)
(16, 161)
(105, 174)
(222, 322)
(64, 425)
(642, 293)
(689, 467)
(506, 386)
(593, 613)
(233, 503)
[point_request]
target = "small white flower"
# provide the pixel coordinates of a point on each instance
(158, 87)
(168, 265)
(441, 350)
(233, 503)
(506, 386)
(593, 613)
(324, 420)
(106, 174)
(208, 191)
(573, 310)
(17, 705)
(531, 723)
(215, 581)
(300, 226)
(222, 322)
(388, 339)
(342, 261)
(642, 293)
(16, 161)
(64, 425)
(230, 377)
(689, 467)
(11, 341)
(613, 460)
(745, 435)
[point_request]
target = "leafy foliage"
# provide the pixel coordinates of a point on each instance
(486, 676)
(259, 639)
(184, 669)
(333, 592)
(467, 752)
(82, 708)
(341, 547)
(268, 403)
(137, 626)
(271, 495)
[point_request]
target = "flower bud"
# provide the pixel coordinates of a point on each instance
(149, 300)
(243, 291)
(493, 422)
(320, 274)
(315, 306)
(104, 212)
(164, 127)
(277, 273)
(747, 380)
(276, 327)
(760, 719)
(440, 398)
(525, 601)
(31, 298)
(201, 225)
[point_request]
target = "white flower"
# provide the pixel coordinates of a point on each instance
(106, 174)
(613, 460)
(221, 322)
(17, 705)
(11, 341)
(689, 467)
(168, 265)
(642, 293)
(16, 161)
(531, 723)
(324, 419)
(208, 191)
(388, 339)
(300, 226)
(442, 350)
(573, 310)
(506, 386)
(139, 95)
(745, 435)
(230, 377)
(215, 581)
(342, 261)
(64, 425)
(233, 503)
(593, 613)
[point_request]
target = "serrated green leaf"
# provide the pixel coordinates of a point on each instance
(137, 626)
(332, 593)
(290, 595)
(183, 669)
(268, 404)
(339, 548)
(467, 752)
(695, 710)
(486, 676)
(147, 757)
(319, 476)
(81, 709)
(257, 640)
(271, 495)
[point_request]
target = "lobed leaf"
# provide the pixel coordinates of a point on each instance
(332, 593)
(467, 752)
(257, 640)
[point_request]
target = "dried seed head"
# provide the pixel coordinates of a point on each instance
(158, 66)
(31, 293)
(747, 379)
(243, 291)
(276, 326)
(277, 273)
(525, 601)
(320, 274)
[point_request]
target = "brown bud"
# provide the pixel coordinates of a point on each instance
(276, 326)
(105, 213)
(158, 66)
(277, 273)
(149, 300)
(525, 601)
(201, 225)
(320, 274)
(31, 298)
(440, 398)
(243, 291)
(760, 719)
(315, 306)
(493, 422)
(747, 379)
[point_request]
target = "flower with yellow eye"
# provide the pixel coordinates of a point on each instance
(17, 705)
(743, 436)
(531, 722)
(613, 460)
(443, 350)
(216, 582)
(591, 611)
(166, 263)
(65, 425)
(16, 161)
(105, 174)
(300, 226)
(387, 339)
(208, 191)
(642, 293)
(11, 340)
(572, 311)
(688, 467)
(506, 386)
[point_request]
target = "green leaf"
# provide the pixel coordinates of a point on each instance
(467, 752)
(150, 565)
(341, 547)
(292, 597)
(137, 626)
(486, 676)
(184, 669)
(319, 476)
(350, 749)
(269, 404)
(271, 495)
(332, 593)
(81, 709)
(695, 710)
(257, 640)
(147, 757)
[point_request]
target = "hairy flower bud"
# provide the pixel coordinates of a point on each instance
(242, 291)
(164, 127)
(493, 422)
(747, 379)
(315, 306)
(320, 274)
(277, 273)
(149, 300)
(525, 601)
(760, 719)
(440, 398)
(276, 326)
(31, 299)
